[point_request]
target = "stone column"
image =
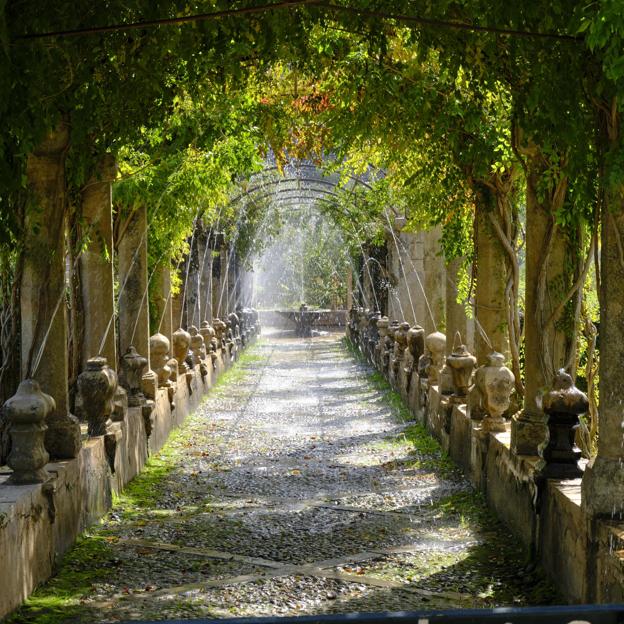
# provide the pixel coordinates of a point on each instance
(405, 253)
(223, 294)
(490, 310)
(233, 282)
(216, 281)
(434, 283)
(349, 299)
(456, 319)
(603, 483)
(163, 302)
(193, 277)
(42, 302)
(133, 297)
(205, 285)
(96, 268)
(178, 311)
(528, 429)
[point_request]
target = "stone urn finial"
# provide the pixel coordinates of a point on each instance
(499, 384)
(461, 364)
(159, 356)
(181, 345)
(416, 342)
(26, 413)
(208, 332)
(198, 349)
(436, 346)
(219, 327)
(563, 404)
(490, 396)
(97, 386)
(132, 367)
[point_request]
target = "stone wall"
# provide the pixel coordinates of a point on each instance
(39, 523)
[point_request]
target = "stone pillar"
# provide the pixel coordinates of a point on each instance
(233, 281)
(205, 285)
(349, 299)
(96, 268)
(223, 294)
(528, 429)
(177, 309)
(216, 284)
(434, 282)
(490, 310)
(163, 302)
(193, 277)
(42, 302)
(133, 298)
(405, 254)
(603, 482)
(456, 319)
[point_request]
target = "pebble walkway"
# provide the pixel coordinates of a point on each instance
(296, 488)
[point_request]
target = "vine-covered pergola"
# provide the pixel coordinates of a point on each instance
(134, 184)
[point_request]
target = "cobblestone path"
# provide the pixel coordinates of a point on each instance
(297, 488)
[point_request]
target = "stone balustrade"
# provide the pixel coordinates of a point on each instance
(538, 496)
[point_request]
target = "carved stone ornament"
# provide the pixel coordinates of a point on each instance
(563, 404)
(132, 367)
(97, 385)
(415, 344)
(461, 364)
(26, 412)
(198, 347)
(208, 332)
(436, 347)
(181, 345)
(497, 383)
(220, 328)
(159, 358)
(382, 330)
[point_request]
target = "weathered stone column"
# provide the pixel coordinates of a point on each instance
(456, 319)
(163, 302)
(193, 278)
(133, 297)
(603, 483)
(434, 283)
(349, 299)
(178, 311)
(205, 285)
(223, 294)
(544, 344)
(490, 310)
(233, 281)
(96, 268)
(405, 254)
(42, 302)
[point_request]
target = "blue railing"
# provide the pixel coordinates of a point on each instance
(579, 614)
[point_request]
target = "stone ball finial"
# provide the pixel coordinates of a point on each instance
(26, 413)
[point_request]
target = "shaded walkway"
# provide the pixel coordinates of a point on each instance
(296, 488)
